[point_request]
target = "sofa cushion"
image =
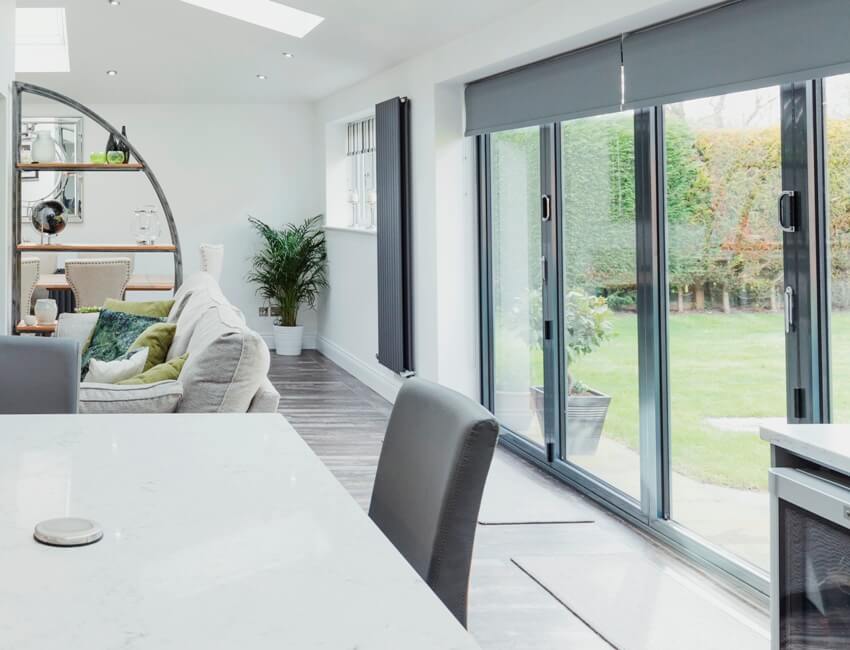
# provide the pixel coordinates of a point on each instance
(266, 399)
(113, 335)
(163, 397)
(78, 327)
(196, 304)
(195, 282)
(156, 308)
(157, 339)
(170, 370)
(227, 363)
(113, 372)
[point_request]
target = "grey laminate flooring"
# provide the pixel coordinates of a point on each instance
(344, 422)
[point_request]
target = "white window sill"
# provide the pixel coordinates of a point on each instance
(352, 229)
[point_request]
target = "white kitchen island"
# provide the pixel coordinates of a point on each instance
(220, 531)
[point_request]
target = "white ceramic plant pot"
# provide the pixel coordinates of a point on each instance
(287, 340)
(46, 311)
(43, 148)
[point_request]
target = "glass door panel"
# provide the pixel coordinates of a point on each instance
(517, 282)
(600, 299)
(726, 342)
(837, 117)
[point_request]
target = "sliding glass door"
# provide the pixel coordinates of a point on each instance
(837, 136)
(514, 181)
(656, 286)
(726, 336)
(601, 423)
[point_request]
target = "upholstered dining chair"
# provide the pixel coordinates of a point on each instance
(40, 375)
(29, 278)
(431, 473)
(212, 259)
(101, 256)
(95, 280)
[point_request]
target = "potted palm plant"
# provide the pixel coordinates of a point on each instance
(587, 325)
(290, 270)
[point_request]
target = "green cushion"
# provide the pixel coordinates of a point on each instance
(113, 335)
(157, 338)
(163, 372)
(153, 308)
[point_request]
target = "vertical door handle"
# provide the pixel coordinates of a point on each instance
(789, 309)
(547, 207)
(785, 206)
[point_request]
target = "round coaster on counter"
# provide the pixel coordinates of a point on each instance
(68, 531)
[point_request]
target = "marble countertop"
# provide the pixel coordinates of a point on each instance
(220, 531)
(826, 444)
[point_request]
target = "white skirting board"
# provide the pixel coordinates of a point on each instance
(309, 342)
(383, 382)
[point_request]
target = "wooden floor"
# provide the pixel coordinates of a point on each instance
(344, 422)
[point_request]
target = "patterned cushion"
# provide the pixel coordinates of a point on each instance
(113, 335)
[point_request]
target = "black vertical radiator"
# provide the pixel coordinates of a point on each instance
(395, 286)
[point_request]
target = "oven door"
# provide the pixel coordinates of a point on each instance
(810, 599)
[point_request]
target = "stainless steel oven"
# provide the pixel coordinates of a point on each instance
(810, 563)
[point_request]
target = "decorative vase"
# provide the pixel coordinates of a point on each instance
(48, 218)
(147, 225)
(43, 148)
(119, 144)
(46, 311)
(287, 340)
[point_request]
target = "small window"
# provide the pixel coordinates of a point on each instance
(362, 191)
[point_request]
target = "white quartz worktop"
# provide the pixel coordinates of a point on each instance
(825, 444)
(221, 532)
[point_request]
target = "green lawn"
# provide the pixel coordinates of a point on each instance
(721, 365)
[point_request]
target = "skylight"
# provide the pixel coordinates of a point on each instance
(265, 13)
(41, 40)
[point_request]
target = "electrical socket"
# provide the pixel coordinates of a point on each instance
(264, 311)
(275, 311)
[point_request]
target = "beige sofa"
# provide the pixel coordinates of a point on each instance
(226, 371)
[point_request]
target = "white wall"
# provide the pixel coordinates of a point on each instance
(7, 76)
(445, 265)
(217, 164)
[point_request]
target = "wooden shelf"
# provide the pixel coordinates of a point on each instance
(96, 248)
(23, 328)
(79, 167)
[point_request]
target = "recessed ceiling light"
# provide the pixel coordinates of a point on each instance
(265, 13)
(112, 73)
(288, 55)
(115, 3)
(261, 77)
(41, 40)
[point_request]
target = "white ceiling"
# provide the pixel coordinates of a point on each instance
(170, 51)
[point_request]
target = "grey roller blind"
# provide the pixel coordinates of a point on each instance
(584, 82)
(737, 46)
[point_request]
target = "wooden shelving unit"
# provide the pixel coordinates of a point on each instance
(79, 167)
(44, 330)
(19, 247)
(96, 248)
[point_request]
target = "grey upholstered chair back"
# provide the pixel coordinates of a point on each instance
(39, 375)
(95, 280)
(431, 475)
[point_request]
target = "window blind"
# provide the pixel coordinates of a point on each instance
(584, 82)
(736, 46)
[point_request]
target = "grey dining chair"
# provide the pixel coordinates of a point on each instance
(431, 473)
(39, 375)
